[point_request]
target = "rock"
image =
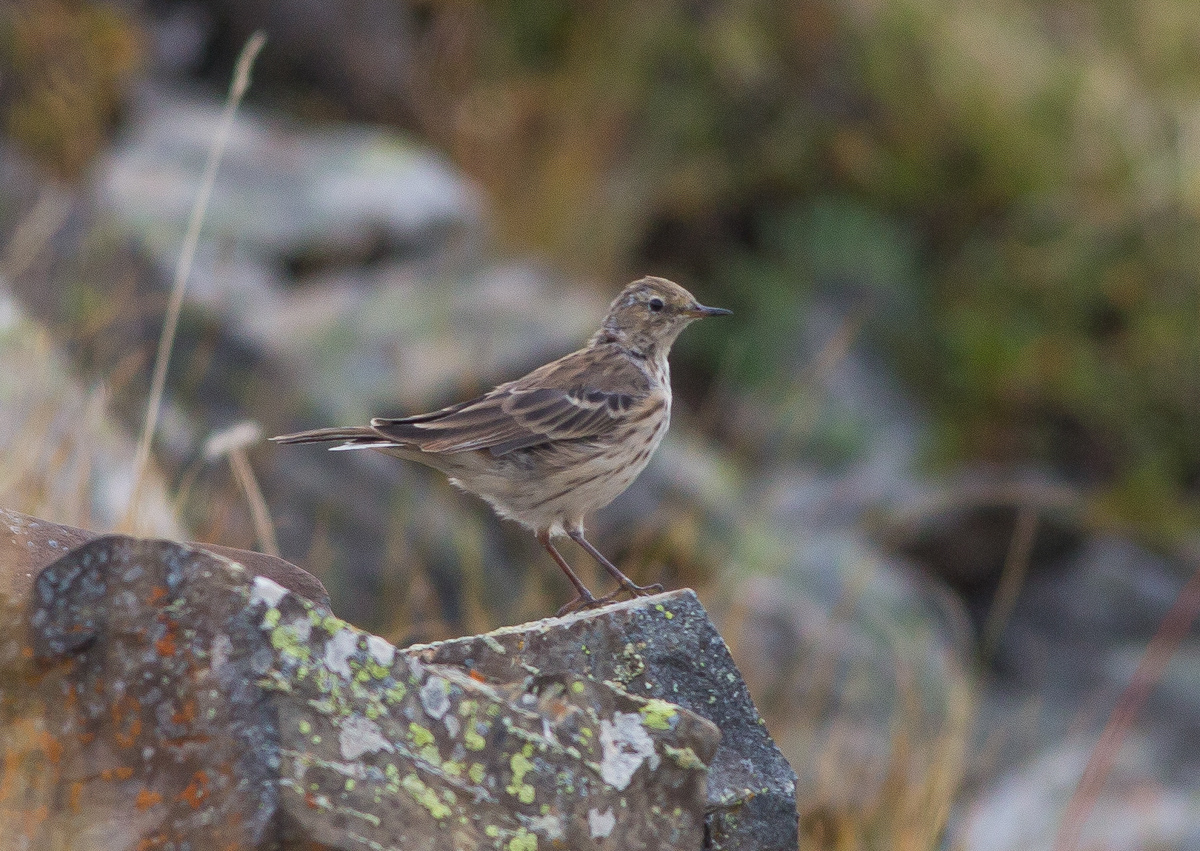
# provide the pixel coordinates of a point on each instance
(1021, 811)
(1078, 629)
(170, 696)
(32, 544)
(664, 648)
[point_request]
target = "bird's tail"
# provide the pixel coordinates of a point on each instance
(354, 435)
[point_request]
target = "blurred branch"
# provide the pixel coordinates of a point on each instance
(1171, 632)
(237, 89)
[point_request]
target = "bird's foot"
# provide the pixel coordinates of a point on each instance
(635, 590)
(581, 602)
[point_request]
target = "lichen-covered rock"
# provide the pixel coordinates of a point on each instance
(664, 648)
(28, 544)
(154, 695)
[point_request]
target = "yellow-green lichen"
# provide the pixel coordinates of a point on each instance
(521, 765)
(287, 641)
(472, 741)
(395, 693)
(431, 755)
(523, 840)
(271, 618)
(452, 768)
(476, 772)
(425, 796)
(657, 714)
(420, 736)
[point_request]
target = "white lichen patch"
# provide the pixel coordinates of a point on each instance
(434, 698)
(549, 826)
(338, 651)
(493, 645)
(381, 651)
(220, 651)
(361, 735)
(625, 745)
(601, 824)
(266, 591)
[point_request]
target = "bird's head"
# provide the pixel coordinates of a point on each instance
(649, 314)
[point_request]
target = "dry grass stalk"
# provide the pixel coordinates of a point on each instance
(183, 269)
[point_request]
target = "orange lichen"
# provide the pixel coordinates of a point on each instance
(129, 738)
(196, 791)
(52, 746)
(166, 645)
(157, 593)
(12, 763)
(147, 799)
(186, 714)
(75, 794)
(34, 818)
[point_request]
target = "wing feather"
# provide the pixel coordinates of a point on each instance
(580, 396)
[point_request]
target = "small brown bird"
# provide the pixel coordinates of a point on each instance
(565, 440)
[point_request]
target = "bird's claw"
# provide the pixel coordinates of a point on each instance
(582, 603)
(642, 590)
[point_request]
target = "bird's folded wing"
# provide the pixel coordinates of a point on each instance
(556, 402)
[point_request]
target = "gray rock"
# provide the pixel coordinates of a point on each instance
(662, 647)
(1021, 811)
(182, 697)
(29, 544)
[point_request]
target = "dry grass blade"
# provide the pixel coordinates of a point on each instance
(231, 443)
(183, 269)
(1016, 566)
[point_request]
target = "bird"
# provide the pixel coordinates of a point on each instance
(547, 449)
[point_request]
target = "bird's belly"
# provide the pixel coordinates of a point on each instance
(553, 489)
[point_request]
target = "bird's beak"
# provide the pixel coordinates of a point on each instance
(700, 311)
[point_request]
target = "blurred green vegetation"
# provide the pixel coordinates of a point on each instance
(1010, 189)
(64, 67)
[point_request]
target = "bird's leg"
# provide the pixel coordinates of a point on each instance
(583, 597)
(627, 584)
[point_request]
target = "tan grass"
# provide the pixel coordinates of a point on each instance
(241, 82)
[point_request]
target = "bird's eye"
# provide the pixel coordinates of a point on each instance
(656, 304)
